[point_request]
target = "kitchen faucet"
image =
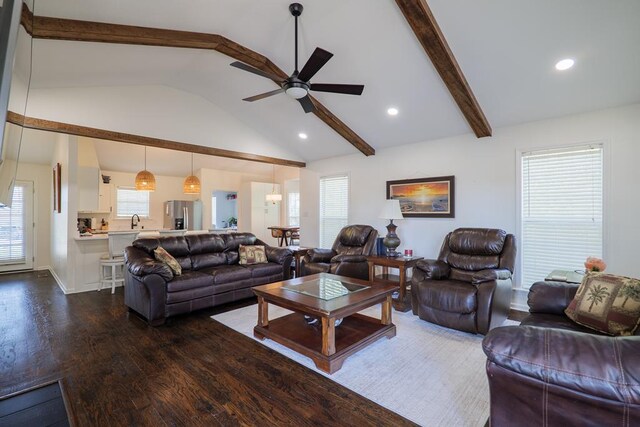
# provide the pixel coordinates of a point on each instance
(133, 225)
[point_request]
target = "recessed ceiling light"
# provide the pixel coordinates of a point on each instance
(392, 111)
(303, 135)
(565, 64)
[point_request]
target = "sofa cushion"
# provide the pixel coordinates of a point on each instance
(165, 257)
(253, 254)
(477, 241)
(229, 273)
(234, 240)
(473, 262)
(205, 243)
(607, 303)
(189, 280)
(262, 270)
(355, 235)
(202, 261)
(177, 246)
(447, 295)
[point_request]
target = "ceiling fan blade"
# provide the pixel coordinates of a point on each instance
(263, 95)
(335, 88)
(313, 65)
(307, 104)
(250, 69)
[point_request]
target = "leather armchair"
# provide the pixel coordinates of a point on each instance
(469, 286)
(347, 256)
(551, 371)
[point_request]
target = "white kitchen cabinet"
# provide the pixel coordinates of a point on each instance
(104, 202)
(88, 188)
(256, 213)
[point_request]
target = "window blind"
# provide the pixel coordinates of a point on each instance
(12, 229)
(561, 210)
(129, 201)
(293, 209)
(334, 207)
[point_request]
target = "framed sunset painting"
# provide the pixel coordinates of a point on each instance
(425, 197)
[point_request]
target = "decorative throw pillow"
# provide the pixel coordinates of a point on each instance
(252, 255)
(607, 303)
(163, 256)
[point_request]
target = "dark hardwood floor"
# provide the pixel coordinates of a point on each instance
(116, 370)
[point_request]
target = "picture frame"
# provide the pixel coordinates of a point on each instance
(424, 197)
(57, 197)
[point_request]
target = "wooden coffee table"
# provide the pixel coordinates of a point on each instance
(325, 343)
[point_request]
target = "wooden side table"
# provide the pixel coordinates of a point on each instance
(402, 264)
(298, 253)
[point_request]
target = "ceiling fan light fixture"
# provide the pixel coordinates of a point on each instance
(296, 92)
(392, 111)
(303, 135)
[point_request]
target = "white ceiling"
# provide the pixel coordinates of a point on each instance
(506, 49)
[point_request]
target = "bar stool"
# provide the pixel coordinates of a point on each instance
(112, 264)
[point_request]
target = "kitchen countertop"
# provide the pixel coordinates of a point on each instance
(142, 233)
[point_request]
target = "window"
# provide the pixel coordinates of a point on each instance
(293, 209)
(16, 229)
(334, 207)
(561, 210)
(129, 201)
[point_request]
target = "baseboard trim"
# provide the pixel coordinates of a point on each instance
(58, 281)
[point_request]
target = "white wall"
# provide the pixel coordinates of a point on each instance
(167, 188)
(41, 177)
(485, 172)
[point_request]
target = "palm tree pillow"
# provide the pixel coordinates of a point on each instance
(607, 303)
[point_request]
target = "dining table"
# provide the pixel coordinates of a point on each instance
(284, 234)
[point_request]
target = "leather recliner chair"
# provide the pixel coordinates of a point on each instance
(347, 256)
(550, 371)
(469, 286)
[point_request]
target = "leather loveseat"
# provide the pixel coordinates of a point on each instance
(469, 286)
(347, 256)
(550, 371)
(211, 274)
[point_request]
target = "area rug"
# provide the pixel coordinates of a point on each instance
(428, 374)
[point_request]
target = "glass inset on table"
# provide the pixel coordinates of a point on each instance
(325, 288)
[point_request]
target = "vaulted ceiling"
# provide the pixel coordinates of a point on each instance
(506, 49)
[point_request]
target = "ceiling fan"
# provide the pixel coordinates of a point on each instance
(297, 85)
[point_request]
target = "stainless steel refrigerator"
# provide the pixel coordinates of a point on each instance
(183, 215)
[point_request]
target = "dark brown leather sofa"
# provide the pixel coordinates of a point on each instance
(210, 276)
(347, 256)
(469, 286)
(550, 371)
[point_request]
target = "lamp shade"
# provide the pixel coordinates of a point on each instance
(191, 185)
(274, 197)
(145, 181)
(391, 210)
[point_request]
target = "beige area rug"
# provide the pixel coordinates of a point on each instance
(431, 375)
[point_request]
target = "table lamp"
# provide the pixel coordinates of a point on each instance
(391, 211)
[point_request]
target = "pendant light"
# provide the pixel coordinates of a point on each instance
(274, 197)
(145, 181)
(191, 183)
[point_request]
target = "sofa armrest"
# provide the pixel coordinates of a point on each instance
(319, 255)
(433, 269)
(489, 275)
(278, 255)
(551, 297)
(606, 367)
(140, 264)
(348, 258)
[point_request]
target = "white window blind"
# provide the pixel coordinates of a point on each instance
(561, 210)
(129, 201)
(334, 207)
(12, 229)
(293, 209)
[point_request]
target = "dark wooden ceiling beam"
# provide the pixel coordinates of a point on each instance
(71, 129)
(42, 27)
(426, 29)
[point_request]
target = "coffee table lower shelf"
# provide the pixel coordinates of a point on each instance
(354, 333)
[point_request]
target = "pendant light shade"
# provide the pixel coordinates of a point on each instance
(145, 181)
(273, 196)
(191, 183)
